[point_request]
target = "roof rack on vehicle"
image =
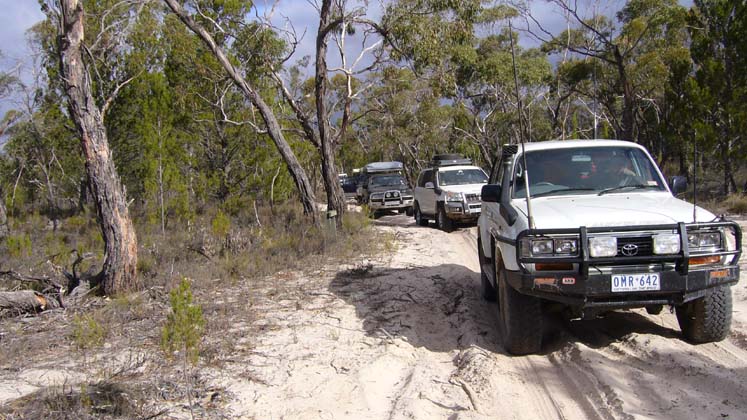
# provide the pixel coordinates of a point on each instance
(450, 159)
(392, 166)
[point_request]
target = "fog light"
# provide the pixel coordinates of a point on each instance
(603, 246)
(666, 243)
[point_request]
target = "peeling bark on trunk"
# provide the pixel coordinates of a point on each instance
(303, 185)
(119, 273)
(335, 201)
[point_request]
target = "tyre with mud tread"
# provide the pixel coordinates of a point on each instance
(487, 290)
(443, 222)
(706, 319)
(520, 317)
(419, 219)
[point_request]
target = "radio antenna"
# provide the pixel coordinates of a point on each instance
(521, 128)
(695, 176)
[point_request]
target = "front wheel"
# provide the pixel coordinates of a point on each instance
(521, 317)
(706, 319)
(444, 223)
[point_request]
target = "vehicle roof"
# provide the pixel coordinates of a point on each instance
(566, 144)
(455, 167)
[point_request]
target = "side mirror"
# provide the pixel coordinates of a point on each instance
(678, 184)
(429, 185)
(491, 193)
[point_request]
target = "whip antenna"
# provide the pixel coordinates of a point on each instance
(695, 176)
(521, 128)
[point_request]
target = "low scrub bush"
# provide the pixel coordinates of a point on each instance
(184, 325)
(18, 245)
(87, 332)
(736, 204)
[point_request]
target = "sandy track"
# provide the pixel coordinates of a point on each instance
(408, 337)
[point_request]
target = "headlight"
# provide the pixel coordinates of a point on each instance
(566, 246)
(704, 239)
(666, 243)
(603, 246)
(553, 246)
(542, 246)
(454, 196)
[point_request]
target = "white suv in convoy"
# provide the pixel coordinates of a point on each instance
(449, 191)
(599, 230)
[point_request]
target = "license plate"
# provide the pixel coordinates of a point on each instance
(392, 203)
(636, 282)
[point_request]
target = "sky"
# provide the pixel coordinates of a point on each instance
(19, 15)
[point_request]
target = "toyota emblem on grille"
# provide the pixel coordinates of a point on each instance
(629, 250)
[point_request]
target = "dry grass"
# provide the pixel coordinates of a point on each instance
(115, 343)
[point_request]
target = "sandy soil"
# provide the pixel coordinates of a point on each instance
(407, 336)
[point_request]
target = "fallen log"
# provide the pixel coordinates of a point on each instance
(27, 301)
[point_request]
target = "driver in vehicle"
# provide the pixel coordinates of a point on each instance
(616, 172)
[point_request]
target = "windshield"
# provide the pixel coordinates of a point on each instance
(387, 181)
(586, 170)
(462, 177)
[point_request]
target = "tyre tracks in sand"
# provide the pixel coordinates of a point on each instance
(407, 336)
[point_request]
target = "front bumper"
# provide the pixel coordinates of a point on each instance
(394, 202)
(595, 290)
(589, 284)
(463, 210)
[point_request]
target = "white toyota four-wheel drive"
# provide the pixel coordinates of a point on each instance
(449, 192)
(588, 226)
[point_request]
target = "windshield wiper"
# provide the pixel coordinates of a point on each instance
(561, 190)
(634, 187)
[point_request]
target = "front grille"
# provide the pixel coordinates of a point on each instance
(635, 246)
(472, 197)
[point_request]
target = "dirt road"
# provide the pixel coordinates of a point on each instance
(408, 337)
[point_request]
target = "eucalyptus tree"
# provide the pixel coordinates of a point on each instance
(487, 92)
(197, 23)
(7, 81)
(627, 59)
(119, 271)
(719, 89)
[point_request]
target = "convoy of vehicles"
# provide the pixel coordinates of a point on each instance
(449, 192)
(585, 227)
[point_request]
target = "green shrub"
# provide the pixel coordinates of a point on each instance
(221, 224)
(18, 245)
(87, 332)
(184, 325)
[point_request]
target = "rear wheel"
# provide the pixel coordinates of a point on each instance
(521, 317)
(706, 319)
(419, 219)
(444, 223)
